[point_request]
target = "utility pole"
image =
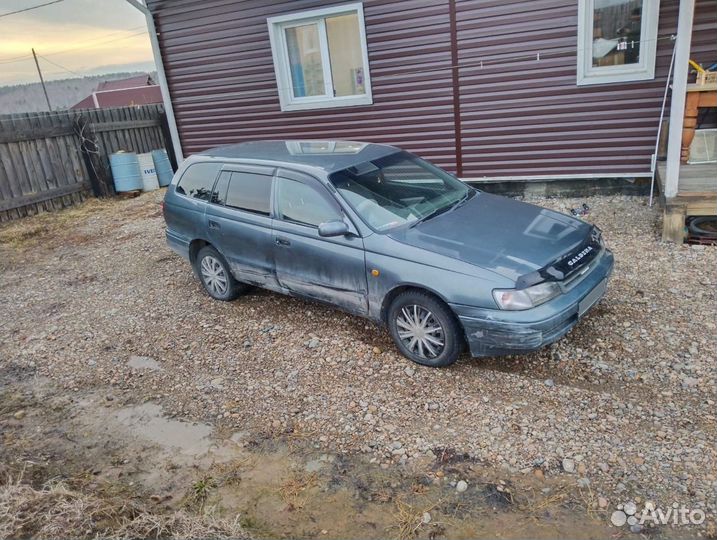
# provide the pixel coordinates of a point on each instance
(44, 89)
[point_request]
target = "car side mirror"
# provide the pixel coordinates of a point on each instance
(333, 228)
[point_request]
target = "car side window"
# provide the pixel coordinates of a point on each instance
(198, 180)
(219, 194)
(249, 191)
(301, 203)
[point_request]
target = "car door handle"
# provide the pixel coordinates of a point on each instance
(214, 225)
(281, 241)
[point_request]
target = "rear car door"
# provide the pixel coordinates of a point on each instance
(185, 204)
(239, 222)
(329, 269)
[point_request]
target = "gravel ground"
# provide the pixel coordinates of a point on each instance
(625, 404)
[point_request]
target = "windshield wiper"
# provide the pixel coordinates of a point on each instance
(441, 210)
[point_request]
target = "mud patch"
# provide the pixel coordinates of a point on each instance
(271, 486)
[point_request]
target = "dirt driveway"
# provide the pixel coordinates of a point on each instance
(306, 421)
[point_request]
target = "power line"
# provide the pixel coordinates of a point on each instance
(60, 66)
(83, 45)
(14, 59)
(93, 44)
(30, 8)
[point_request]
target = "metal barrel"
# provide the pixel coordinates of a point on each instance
(149, 175)
(163, 167)
(125, 171)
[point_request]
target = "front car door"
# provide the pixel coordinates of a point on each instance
(329, 269)
(239, 222)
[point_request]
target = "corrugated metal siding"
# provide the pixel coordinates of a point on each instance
(518, 116)
(219, 65)
(523, 117)
(704, 33)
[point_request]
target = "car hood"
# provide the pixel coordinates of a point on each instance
(503, 235)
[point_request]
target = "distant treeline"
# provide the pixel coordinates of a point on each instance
(64, 93)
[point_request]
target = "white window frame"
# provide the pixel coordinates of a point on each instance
(644, 70)
(280, 53)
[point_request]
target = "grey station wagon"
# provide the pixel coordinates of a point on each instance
(383, 234)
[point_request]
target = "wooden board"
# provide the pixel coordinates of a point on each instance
(41, 164)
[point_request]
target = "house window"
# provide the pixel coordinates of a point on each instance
(617, 40)
(320, 58)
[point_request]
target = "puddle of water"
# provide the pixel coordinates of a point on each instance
(300, 493)
(143, 362)
(147, 421)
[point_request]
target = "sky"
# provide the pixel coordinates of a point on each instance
(77, 37)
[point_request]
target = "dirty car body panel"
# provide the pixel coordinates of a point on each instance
(461, 250)
(244, 238)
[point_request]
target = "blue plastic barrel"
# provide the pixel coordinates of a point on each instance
(125, 171)
(162, 166)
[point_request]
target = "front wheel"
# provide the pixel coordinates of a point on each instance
(424, 329)
(215, 275)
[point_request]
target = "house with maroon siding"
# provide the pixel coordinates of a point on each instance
(488, 89)
(138, 90)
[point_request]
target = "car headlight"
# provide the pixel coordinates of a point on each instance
(517, 299)
(596, 236)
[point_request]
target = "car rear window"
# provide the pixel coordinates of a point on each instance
(249, 191)
(198, 180)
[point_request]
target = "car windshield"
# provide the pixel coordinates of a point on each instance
(398, 189)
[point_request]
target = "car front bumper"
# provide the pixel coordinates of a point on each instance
(495, 332)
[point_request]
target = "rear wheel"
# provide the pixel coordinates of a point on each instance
(215, 275)
(424, 329)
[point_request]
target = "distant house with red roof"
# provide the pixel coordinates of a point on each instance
(139, 90)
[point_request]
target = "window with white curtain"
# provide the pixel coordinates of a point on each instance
(617, 40)
(320, 58)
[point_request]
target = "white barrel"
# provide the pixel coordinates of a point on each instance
(149, 174)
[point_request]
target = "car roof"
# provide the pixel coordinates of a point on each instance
(326, 156)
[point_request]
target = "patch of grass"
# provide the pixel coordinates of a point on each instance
(201, 489)
(409, 518)
(535, 506)
(294, 491)
(29, 231)
(229, 473)
(57, 511)
(382, 496)
(296, 437)
(590, 502)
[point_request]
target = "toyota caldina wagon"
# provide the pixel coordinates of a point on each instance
(383, 234)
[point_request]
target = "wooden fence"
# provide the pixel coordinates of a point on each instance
(56, 159)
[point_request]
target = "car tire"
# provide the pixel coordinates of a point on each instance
(424, 329)
(215, 275)
(704, 226)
